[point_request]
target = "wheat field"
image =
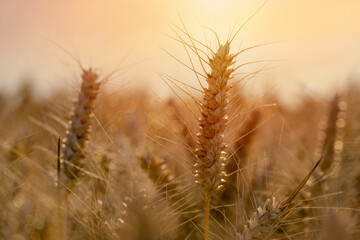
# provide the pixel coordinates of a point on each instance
(208, 161)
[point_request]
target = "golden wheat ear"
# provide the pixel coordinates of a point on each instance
(211, 156)
(267, 218)
(78, 132)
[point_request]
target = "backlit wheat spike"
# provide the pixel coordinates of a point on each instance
(265, 218)
(211, 155)
(158, 172)
(262, 222)
(77, 134)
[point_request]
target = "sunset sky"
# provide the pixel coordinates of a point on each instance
(321, 48)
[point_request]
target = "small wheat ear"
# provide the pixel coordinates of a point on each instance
(266, 218)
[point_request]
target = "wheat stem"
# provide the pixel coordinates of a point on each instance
(60, 215)
(207, 215)
(210, 155)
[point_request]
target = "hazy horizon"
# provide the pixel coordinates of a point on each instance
(319, 53)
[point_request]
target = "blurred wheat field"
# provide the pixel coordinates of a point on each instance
(207, 162)
(136, 182)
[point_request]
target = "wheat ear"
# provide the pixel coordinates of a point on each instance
(265, 218)
(159, 173)
(77, 134)
(211, 156)
(262, 222)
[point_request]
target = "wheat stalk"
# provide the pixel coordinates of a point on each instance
(210, 155)
(77, 136)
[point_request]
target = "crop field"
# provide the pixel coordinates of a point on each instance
(209, 160)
